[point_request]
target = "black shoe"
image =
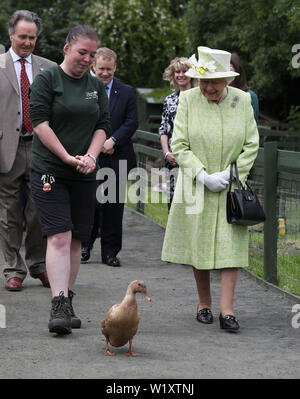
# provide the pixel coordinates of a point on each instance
(229, 323)
(111, 261)
(75, 321)
(204, 316)
(85, 254)
(60, 315)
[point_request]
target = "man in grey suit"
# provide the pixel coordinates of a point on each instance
(18, 68)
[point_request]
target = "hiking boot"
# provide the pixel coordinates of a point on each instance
(75, 321)
(60, 315)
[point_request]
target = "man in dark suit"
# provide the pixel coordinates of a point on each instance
(18, 68)
(118, 155)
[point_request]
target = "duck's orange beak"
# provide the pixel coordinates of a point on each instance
(146, 296)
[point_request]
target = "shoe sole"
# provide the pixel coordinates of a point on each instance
(204, 322)
(59, 327)
(111, 264)
(75, 323)
(229, 329)
(13, 289)
(234, 330)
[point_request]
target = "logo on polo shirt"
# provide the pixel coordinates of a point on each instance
(89, 95)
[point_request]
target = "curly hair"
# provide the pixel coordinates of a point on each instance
(177, 64)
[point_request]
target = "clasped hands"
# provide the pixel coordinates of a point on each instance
(216, 181)
(83, 163)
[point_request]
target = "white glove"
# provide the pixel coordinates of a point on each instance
(225, 174)
(216, 181)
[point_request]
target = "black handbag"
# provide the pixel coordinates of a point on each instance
(242, 205)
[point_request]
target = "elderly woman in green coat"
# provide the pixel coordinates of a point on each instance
(214, 126)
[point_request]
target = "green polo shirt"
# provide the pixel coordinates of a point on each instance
(74, 108)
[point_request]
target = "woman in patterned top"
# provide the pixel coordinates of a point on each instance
(175, 74)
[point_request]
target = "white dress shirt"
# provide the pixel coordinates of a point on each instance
(109, 85)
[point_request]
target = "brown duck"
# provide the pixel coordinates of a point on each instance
(121, 321)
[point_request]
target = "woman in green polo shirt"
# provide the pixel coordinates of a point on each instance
(69, 113)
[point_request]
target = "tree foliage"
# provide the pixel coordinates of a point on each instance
(262, 33)
(145, 34)
(57, 17)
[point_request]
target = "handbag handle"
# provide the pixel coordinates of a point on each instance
(230, 178)
(233, 164)
(237, 178)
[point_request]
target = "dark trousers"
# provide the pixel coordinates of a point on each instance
(111, 229)
(108, 221)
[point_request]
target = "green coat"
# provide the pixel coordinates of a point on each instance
(212, 136)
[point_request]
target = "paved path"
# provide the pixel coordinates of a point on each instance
(173, 344)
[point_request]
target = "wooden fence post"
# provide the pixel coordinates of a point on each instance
(271, 223)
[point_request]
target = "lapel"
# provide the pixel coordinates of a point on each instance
(114, 94)
(10, 72)
(36, 66)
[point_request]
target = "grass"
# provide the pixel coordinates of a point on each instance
(155, 207)
(288, 269)
(288, 259)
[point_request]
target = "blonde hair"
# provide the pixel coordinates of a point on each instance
(106, 52)
(177, 64)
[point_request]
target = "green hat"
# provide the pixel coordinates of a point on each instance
(211, 64)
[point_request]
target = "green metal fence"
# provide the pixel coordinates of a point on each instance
(274, 245)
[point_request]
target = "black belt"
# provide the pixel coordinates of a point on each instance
(26, 138)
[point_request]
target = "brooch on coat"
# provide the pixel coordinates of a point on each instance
(235, 101)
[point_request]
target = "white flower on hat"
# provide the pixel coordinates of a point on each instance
(200, 66)
(192, 61)
(210, 66)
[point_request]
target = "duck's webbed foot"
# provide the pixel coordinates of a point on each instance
(130, 353)
(107, 351)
